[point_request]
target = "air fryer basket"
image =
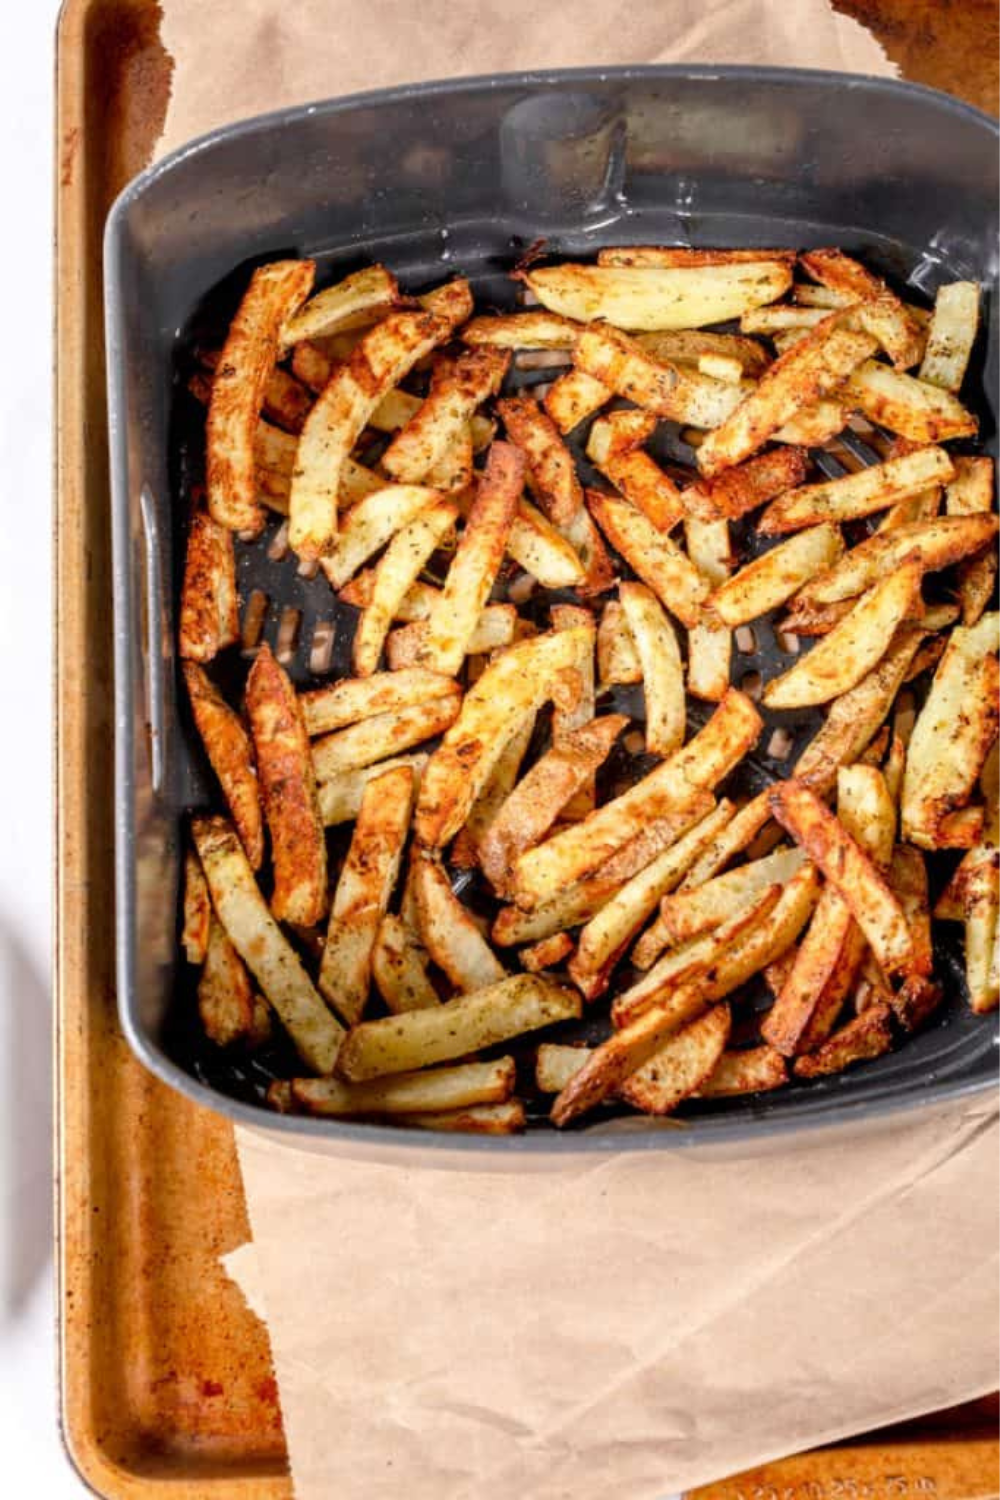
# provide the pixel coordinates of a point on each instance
(461, 178)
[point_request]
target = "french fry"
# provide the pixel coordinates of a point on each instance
(617, 659)
(457, 388)
(857, 494)
(721, 367)
(814, 425)
(777, 574)
(420, 1038)
(771, 320)
(868, 1035)
(452, 302)
(433, 1089)
(209, 612)
(652, 297)
(286, 400)
(908, 879)
(953, 733)
(474, 567)
(687, 914)
(371, 523)
(680, 394)
(736, 491)
(657, 560)
(566, 720)
(516, 684)
(753, 1071)
(354, 698)
(662, 671)
(937, 543)
(710, 645)
(680, 1066)
(574, 397)
(363, 891)
(711, 754)
(383, 735)
(980, 896)
(951, 335)
(812, 368)
(918, 411)
(536, 801)
(245, 365)
(550, 467)
(225, 995)
(686, 346)
(547, 953)
(360, 297)
(399, 968)
(395, 574)
(231, 757)
(588, 544)
(500, 784)
(613, 448)
(453, 473)
(881, 313)
(685, 255)
(479, 1119)
(556, 1063)
(845, 865)
(448, 932)
(495, 628)
(387, 353)
(971, 493)
(196, 909)
(853, 647)
(262, 946)
(536, 546)
(522, 330)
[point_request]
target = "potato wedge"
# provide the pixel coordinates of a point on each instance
(407, 1093)
(845, 865)
(662, 671)
(365, 295)
(209, 610)
(951, 335)
(971, 492)
(263, 947)
(687, 914)
(495, 628)
(337, 419)
(938, 544)
(777, 574)
(657, 560)
(286, 400)
(918, 411)
(399, 968)
(617, 658)
(574, 397)
(953, 733)
(521, 330)
(736, 491)
(852, 648)
(385, 734)
(230, 754)
(364, 888)
(881, 313)
(371, 523)
(535, 803)
(752, 1071)
(225, 994)
(857, 494)
(680, 1066)
(685, 346)
(197, 911)
(548, 953)
(395, 574)
(351, 699)
(420, 1038)
(245, 365)
(551, 471)
(678, 393)
(569, 856)
(477, 560)
(788, 388)
(457, 388)
(516, 684)
(448, 932)
(868, 1035)
(654, 297)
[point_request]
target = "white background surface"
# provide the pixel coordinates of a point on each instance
(34, 1462)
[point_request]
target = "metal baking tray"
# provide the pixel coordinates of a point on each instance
(461, 178)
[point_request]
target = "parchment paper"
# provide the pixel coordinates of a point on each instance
(632, 1326)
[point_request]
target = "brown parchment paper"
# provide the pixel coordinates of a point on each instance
(632, 1326)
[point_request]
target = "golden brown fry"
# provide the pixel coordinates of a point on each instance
(231, 757)
(923, 413)
(550, 467)
(245, 365)
(753, 1071)
(684, 255)
(457, 388)
(654, 297)
(881, 313)
(857, 494)
(617, 659)
(521, 330)
(500, 784)
(225, 995)
(687, 913)
(209, 613)
(479, 1119)
(394, 575)
(363, 891)
(662, 671)
(680, 1066)
(776, 575)
(868, 1035)
(671, 391)
(587, 542)
(567, 719)
(434, 1089)
(937, 543)
(736, 491)
(359, 298)
(657, 560)
(351, 699)
(687, 346)
(452, 302)
(399, 968)
(908, 878)
(371, 523)
(286, 399)
(574, 397)
(384, 734)
(495, 628)
(951, 335)
(971, 492)
(448, 932)
(547, 953)
(197, 910)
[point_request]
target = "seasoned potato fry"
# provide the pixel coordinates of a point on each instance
(813, 368)
(937, 544)
(547, 953)
(881, 313)
(753, 1071)
(231, 757)
(410, 1093)
(262, 946)
(495, 628)
(452, 302)
(687, 346)
(395, 574)
(209, 612)
(681, 394)
(736, 491)
(448, 932)
(499, 785)
(363, 296)
(776, 575)
(478, 1119)
(951, 335)
(565, 720)
(399, 968)
(980, 895)
(363, 891)
(286, 399)
(420, 1038)
(814, 425)
(918, 411)
(457, 388)
(685, 255)
(370, 523)
(197, 911)
(385, 734)
(970, 493)
(225, 994)
(772, 320)
(857, 494)
(672, 786)
(684, 1062)
(574, 397)
(536, 546)
(845, 865)
(354, 698)
(652, 297)
(868, 1035)
(245, 365)
(953, 733)
(556, 1064)
(908, 879)
(536, 801)
(688, 913)
(516, 684)
(336, 421)
(587, 542)
(617, 659)
(662, 670)
(522, 330)
(550, 467)
(852, 648)
(657, 560)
